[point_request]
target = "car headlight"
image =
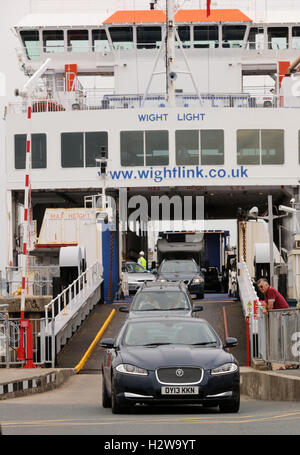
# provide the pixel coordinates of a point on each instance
(226, 368)
(197, 280)
(162, 280)
(131, 369)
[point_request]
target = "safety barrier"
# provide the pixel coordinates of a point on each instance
(73, 304)
(279, 335)
(250, 304)
(42, 346)
(39, 280)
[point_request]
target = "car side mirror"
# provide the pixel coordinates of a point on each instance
(154, 272)
(230, 342)
(197, 308)
(124, 309)
(203, 270)
(107, 343)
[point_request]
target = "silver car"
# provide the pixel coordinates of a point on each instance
(137, 275)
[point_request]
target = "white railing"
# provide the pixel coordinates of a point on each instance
(247, 292)
(66, 305)
(87, 100)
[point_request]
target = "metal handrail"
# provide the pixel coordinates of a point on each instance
(79, 286)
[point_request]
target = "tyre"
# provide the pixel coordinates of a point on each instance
(106, 400)
(230, 406)
(200, 296)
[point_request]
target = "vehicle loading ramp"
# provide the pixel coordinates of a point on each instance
(225, 315)
(74, 350)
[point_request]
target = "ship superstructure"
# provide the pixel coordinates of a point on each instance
(180, 118)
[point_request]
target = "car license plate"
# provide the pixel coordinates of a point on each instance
(180, 390)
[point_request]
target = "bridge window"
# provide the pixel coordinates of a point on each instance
(78, 40)
(132, 148)
(31, 41)
(100, 41)
(199, 147)
(148, 37)
(93, 143)
(272, 146)
(122, 37)
(184, 36)
(157, 148)
(233, 35)
(278, 37)
(72, 149)
(206, 36)
(38, 151)
(82, 149)
(260, 147)
(53, 41)
(296, 38)
(256, 38)
(144, 148)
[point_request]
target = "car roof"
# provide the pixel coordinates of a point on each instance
(163, 286)
(166, 317)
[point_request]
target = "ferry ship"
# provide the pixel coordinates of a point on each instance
(181, 118)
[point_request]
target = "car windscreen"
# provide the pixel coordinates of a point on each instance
(160, 300)
(153, 333)
(178, 267)
(135, 268)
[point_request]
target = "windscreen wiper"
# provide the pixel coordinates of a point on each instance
(204, 343)
(155, 344)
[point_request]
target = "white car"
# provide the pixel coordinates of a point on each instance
(137, 275)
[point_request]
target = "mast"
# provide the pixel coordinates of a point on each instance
(170, 54)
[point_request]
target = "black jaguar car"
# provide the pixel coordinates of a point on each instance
(185, 270)
(169, 360)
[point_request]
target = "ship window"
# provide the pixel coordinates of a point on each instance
(78, 40)
(296, 38)
(53, 41)
(157, 148)
(272, 146)
(93, 143)
(233, 35)
(212, 147)
(260, 147)
(184, 36)
(72, 149)
(38, 151)
(206, 36)
(148, 37)
(248, 147)
(132, 148)
(189, 148)
(256, 38)
(31, 41)
(144, 148)
(100, 41)
(278, 37)
(122, 37)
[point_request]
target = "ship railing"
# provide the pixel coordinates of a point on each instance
(69, 308)
(279, 334)
(39, 280)
(250, 304)
(88, 101)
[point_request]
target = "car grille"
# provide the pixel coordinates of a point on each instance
(179, 375)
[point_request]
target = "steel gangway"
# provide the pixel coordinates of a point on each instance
(65, 313)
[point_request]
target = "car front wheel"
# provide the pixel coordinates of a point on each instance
(106, 400)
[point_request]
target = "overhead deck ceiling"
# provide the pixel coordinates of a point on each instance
(221, 202)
